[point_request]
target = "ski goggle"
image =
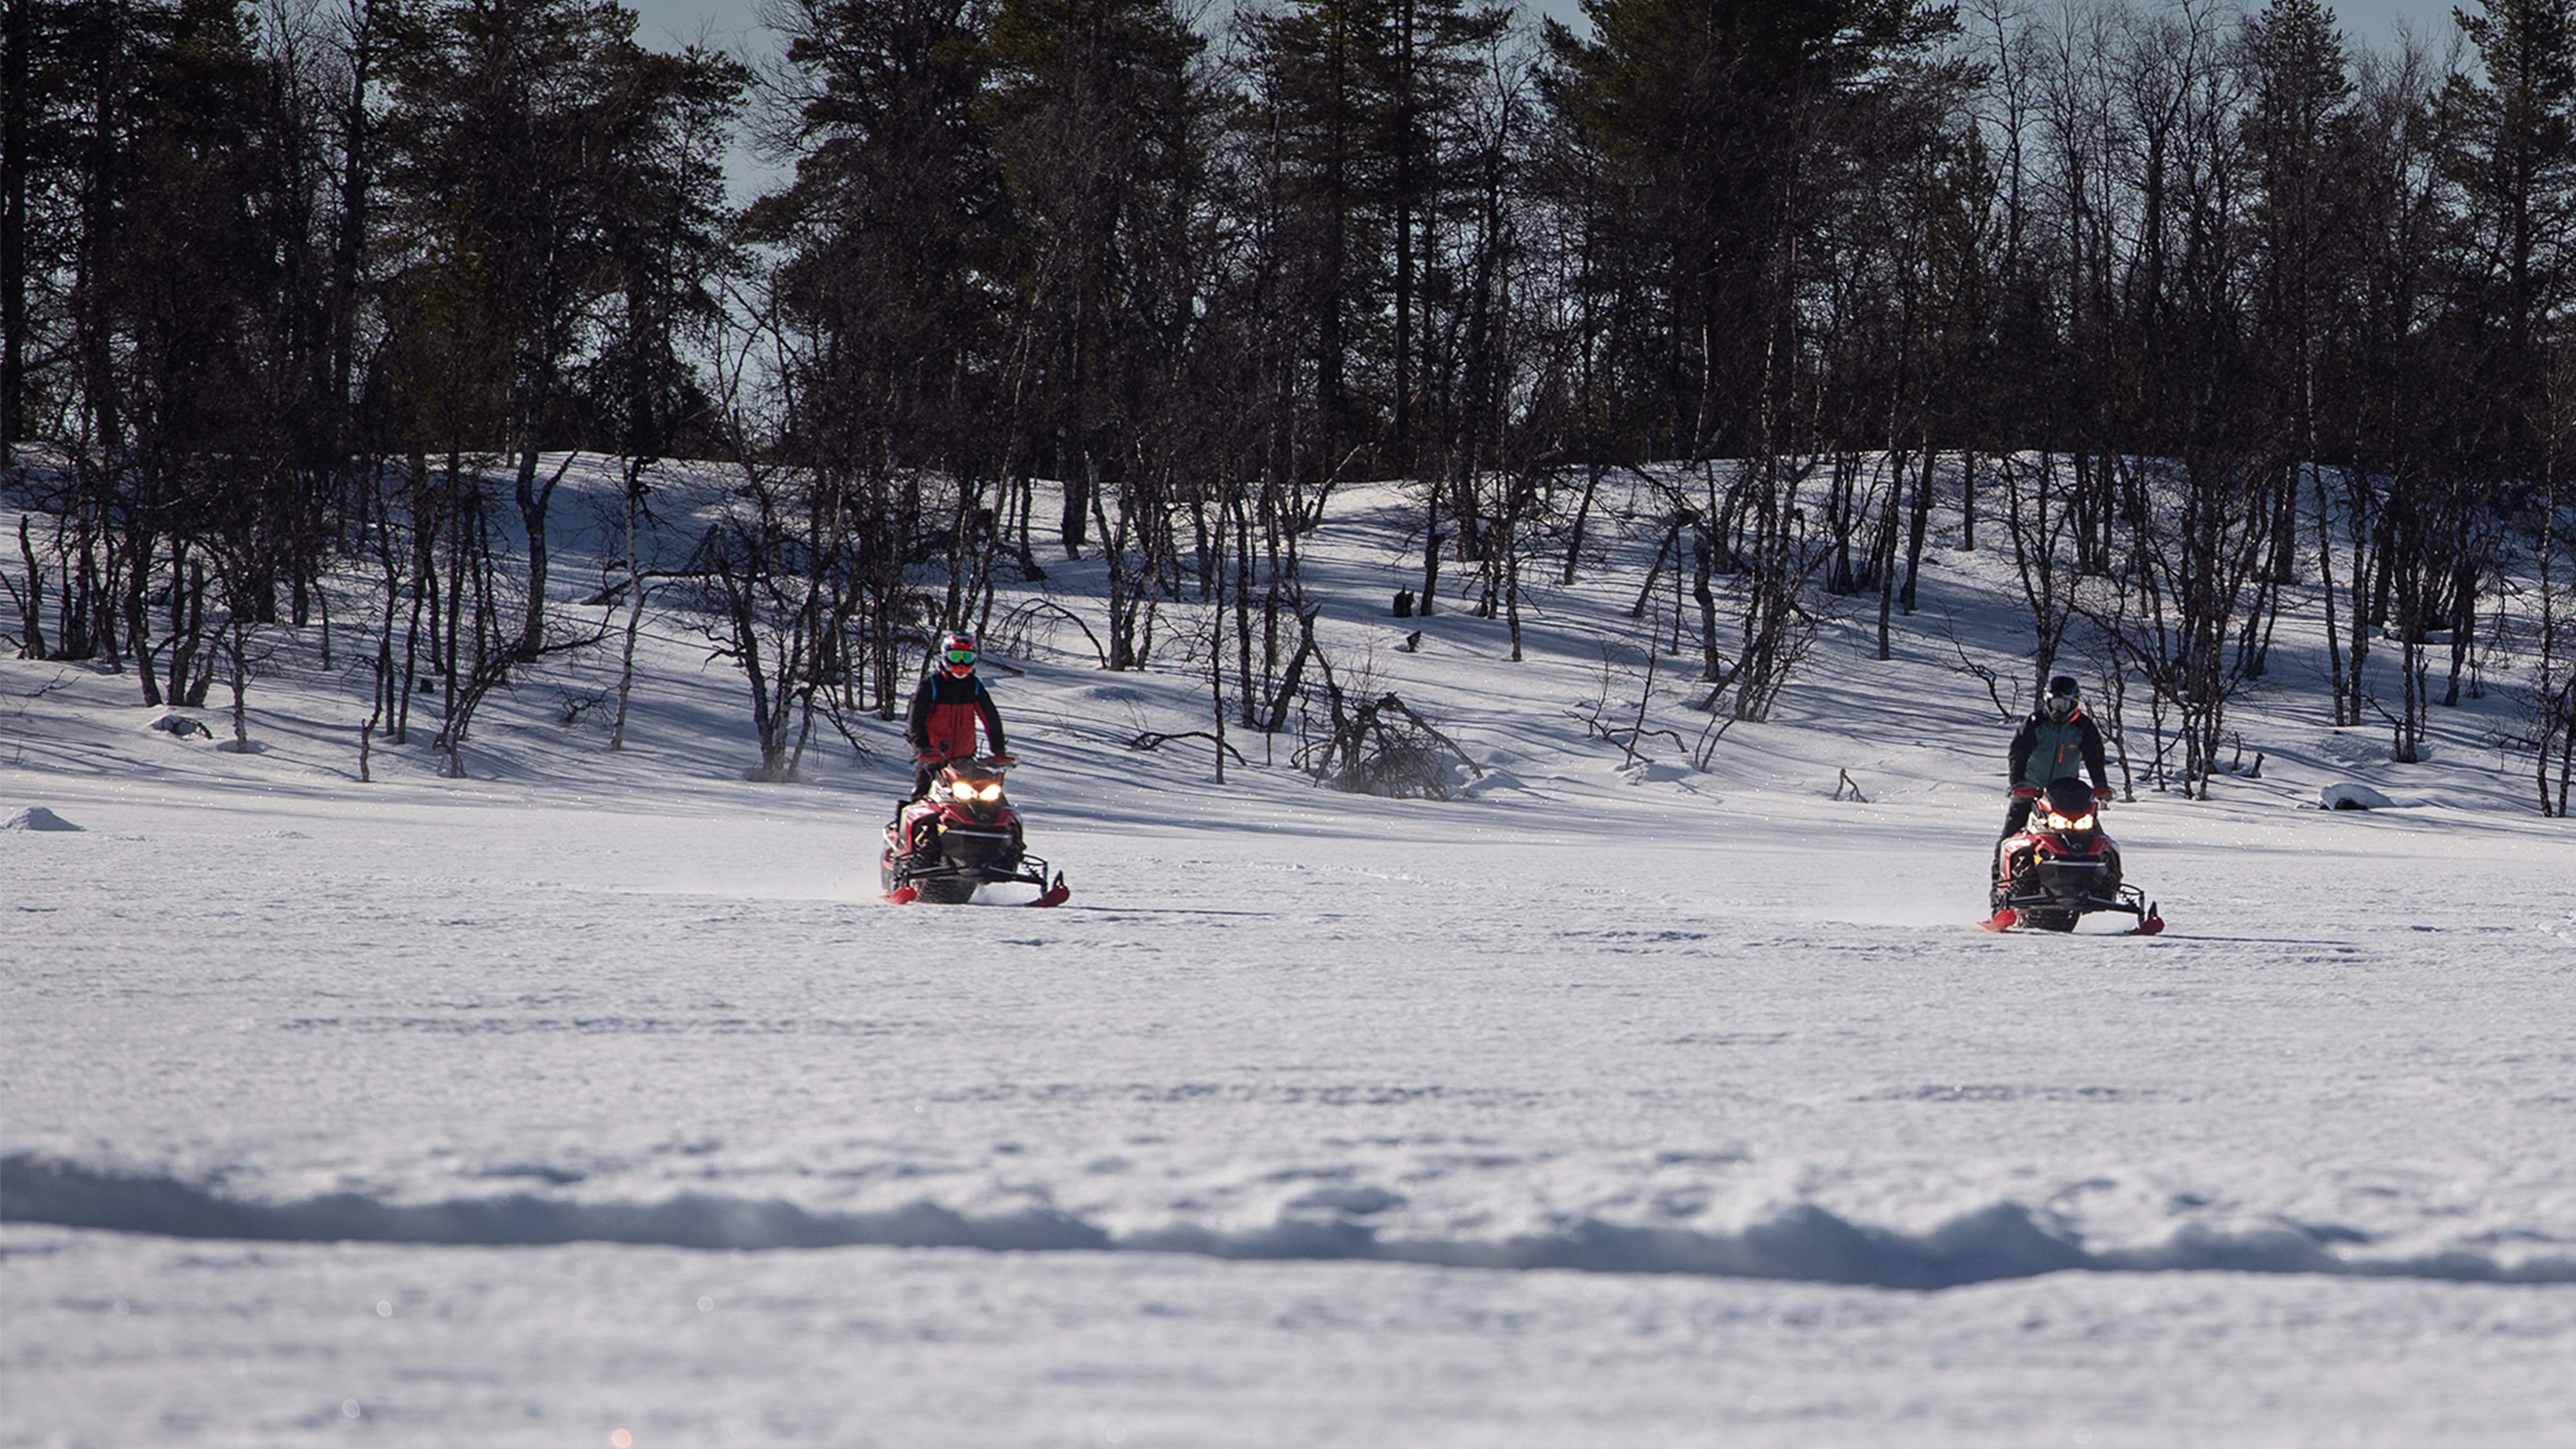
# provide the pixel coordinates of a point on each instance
(961, 658)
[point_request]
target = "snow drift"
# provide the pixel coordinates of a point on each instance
(1799, 1243)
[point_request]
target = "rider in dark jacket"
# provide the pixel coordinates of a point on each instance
(946, 709)
(2049, 745)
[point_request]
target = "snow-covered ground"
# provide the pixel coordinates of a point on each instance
(599, 1095)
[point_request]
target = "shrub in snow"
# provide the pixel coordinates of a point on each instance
(2349, 795)
(36, 817)
(1382, 747)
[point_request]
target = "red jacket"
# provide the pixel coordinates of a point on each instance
(945, 711)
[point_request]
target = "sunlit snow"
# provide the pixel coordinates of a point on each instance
(1612, 1103)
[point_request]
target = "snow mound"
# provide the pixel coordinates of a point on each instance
(2353, 795)
(1801, 1242)
(36, 817)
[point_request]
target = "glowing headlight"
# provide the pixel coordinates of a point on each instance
(2070, 822)
(989, 792)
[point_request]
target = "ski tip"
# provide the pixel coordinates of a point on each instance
(1054, 895)
(2150, 925)
(2001, 920)
(903, 895)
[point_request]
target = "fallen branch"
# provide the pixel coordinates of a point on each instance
(1155, 740)
(1635, 736)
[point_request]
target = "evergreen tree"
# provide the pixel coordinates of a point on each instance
(1098, 117)
(1319, 108)
(2514, 159)
(1702, 118)
(520, 135)
(889, 233)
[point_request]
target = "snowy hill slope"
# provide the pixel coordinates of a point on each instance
(411, 1106)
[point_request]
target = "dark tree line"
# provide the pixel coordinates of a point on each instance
(2215, 316)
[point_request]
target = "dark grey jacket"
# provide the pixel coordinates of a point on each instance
(2044, 750)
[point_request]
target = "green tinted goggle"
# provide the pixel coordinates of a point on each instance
(961, 656)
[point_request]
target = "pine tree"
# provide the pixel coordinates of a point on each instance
(2292, 130)
(1699, 117)
(2514, 159)
(1099, 122)
(518, 133)
(1319, 107)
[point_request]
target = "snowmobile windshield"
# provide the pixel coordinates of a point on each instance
(2070, 805)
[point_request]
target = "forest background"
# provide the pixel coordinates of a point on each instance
(2202, 314)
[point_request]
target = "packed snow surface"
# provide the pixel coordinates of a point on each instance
(1617, 1102)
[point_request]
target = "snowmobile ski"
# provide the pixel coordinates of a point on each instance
(2005, 919)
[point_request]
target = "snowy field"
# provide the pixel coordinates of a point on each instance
(599, 1096)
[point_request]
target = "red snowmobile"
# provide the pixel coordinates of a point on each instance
(2061, 867)
(961, 835)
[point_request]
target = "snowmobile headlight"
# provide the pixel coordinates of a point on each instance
(2070, 822)
(989, 792)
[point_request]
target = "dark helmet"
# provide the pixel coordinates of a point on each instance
(957, 653)
(2060, 702)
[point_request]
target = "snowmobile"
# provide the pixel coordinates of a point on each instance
(2061, 867)
(959, 836)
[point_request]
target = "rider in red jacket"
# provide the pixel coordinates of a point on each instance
(946, 710)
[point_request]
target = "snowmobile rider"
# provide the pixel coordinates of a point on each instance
(945, 711)
(2047, 748)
